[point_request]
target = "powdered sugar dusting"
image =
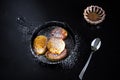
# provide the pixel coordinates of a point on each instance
(72, 43)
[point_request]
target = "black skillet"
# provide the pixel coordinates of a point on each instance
(73, 43)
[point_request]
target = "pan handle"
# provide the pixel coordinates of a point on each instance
(22, 21)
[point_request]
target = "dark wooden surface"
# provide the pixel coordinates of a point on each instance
(16, 62)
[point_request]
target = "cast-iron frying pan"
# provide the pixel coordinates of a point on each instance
(72, 44)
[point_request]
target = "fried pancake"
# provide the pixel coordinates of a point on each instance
(55, 45)
(59, 32)
(56, 57)
(39, 44)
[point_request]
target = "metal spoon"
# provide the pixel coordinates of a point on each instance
(95, 45)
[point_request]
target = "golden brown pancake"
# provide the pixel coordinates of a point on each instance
(56, 57)
(59, 32)
(55, 45)
(39, 44)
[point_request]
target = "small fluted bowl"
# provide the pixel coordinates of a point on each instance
(94, 14)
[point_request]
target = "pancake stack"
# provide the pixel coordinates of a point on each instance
(53, 48)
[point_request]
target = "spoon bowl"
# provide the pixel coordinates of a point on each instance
(95, 45)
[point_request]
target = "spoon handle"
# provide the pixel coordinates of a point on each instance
(85, 67)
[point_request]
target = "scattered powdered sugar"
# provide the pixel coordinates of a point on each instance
(70, 61)
(72, 43)
(25, 28)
